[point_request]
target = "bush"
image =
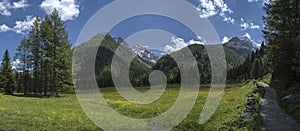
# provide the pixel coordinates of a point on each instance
(2, 90)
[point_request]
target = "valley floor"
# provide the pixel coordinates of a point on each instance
(65, 113)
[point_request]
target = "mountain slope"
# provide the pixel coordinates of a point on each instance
(105, 56)
(243, 46)
(236, 51)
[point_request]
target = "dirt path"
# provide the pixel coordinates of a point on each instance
(274, 118)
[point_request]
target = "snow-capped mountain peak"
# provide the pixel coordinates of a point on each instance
(145, 53)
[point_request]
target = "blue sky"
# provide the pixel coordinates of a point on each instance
(229, 18)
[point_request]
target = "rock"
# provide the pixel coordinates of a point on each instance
(249, 103)
(251, 98)
(245, 115)
(251, 107)
(288, 97)
(249, 110)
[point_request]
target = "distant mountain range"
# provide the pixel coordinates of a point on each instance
(236, 50)
(241, 45)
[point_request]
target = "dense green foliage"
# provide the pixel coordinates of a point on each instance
(18, 113)
(7, 79)
(282, 24)
(254, 67)
(45, 58)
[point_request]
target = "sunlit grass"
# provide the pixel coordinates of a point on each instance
(65, 113)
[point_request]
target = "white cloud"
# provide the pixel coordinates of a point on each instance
(252, 26)
(15, 64)
(196, 42)
(20, 26)
(251, 1)
(261, 1)
(4, 28)
(25, 25)
(68, 9)
(176, 44)
(244, 25)
(225, 39)
(179, 43)
(208, 8)
(242, 19)
(229, 20)
(6, 6)
(20, 4)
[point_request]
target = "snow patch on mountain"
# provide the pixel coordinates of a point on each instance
(152, 55)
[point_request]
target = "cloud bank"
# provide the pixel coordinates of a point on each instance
(6, 6)
(179, 43)
(68, 9)
(20, 26)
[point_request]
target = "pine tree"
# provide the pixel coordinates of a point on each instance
(46, 57)
(62, 54)
(255, 69)
(7, 81)
(35, 45)
(24, 56)
(48, 48)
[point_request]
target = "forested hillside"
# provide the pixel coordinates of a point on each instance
(105, 54)
(235, 56)
(282, 24)
(236, 51)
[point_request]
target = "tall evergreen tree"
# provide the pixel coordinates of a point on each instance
(48, 48)
(35, 44)
(23, 54)
(62, 54)
(46, 57)
(7, 81)
(255, 71)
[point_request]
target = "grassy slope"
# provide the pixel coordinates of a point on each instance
(65, 113)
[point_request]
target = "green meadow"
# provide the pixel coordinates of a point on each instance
(65, 113)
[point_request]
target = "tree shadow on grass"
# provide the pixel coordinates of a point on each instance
(42, 96)
(31, 95)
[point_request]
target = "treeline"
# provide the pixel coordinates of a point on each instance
(282, 24)
(254, 67)
(45, 58)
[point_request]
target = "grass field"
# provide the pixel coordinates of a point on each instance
(65, 113)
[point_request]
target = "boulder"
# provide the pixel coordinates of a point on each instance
(245, 115)
(288, 97)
